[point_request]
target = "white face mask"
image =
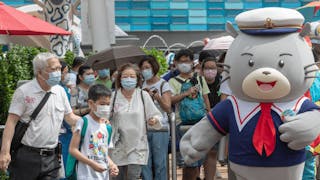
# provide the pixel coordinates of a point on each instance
(103, 111)
(185, 67)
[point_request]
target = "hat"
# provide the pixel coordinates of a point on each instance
(315, 29)
(272, 20)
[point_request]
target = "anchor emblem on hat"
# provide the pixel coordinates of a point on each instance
(268, 23)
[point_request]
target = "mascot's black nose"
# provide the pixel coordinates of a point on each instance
(266, 72)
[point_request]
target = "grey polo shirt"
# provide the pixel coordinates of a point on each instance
(43, 132)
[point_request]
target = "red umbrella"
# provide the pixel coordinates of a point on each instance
(310, 11)
(15, 22)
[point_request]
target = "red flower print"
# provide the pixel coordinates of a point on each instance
(99, 135)
(91, 146)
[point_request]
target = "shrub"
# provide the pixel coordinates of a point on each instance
(158, 54)
(15, 65)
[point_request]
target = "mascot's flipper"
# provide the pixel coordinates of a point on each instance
(198, 141)
(300, 130)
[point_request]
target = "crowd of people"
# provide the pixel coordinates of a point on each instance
(113, 122)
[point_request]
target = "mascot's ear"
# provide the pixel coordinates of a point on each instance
(230, 29)
(305, 30)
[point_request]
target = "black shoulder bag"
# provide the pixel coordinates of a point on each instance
(22, 127)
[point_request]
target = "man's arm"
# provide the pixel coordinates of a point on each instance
(8, 132)
(71, 118)
(177, 98)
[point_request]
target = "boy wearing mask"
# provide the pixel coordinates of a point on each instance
(93, 158)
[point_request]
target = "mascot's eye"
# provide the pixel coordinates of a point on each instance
(281, 63)
(251, 62)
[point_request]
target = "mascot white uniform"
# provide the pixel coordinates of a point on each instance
(269, 67)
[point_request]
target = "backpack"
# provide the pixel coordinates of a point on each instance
(72, 162)
(191, 110)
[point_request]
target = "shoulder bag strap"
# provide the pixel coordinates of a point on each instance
(109, 129)
(39, 107)
(179, 80)
(201, 81)
(161, 87)
(83, 130)
(113, 102)
(144, 109)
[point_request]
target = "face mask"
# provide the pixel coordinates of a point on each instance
(104, 73)
(89, 79)
(147, 74)
(66, 79)
(184, 67)
(129, 83)
(103, 111)
(210, 74)
(54, 78)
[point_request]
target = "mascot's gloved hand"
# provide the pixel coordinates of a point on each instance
(300, 130)
(198, 140)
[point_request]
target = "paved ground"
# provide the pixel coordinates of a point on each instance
(223, 171)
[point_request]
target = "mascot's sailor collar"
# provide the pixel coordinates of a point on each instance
(244, 110)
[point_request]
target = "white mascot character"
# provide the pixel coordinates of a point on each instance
(269, 67)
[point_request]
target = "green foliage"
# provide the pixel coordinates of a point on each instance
(15, 65)
(158, 54)
(68, 58)
(3, 176)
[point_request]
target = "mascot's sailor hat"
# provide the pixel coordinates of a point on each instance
(272, 20)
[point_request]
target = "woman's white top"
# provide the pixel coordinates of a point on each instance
(129, 122)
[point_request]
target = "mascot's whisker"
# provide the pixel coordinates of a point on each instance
(307, 66)
(224, 65)
(311, 77)
(310, 71)
(223, 80)
(225, 70)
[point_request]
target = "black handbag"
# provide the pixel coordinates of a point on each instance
(22, 127)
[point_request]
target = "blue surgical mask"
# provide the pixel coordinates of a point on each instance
(129, 83)
(54, 78)
(184, 67)
(147, 74)
(104, 73)
(89, 79)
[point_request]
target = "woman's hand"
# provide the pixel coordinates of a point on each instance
(114, 171)
(5, 159)
(152, 121)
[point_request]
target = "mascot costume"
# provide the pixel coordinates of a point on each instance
(269, 67)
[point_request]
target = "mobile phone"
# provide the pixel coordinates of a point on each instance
(197, 86)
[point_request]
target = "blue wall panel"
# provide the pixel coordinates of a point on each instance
(189, 15)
